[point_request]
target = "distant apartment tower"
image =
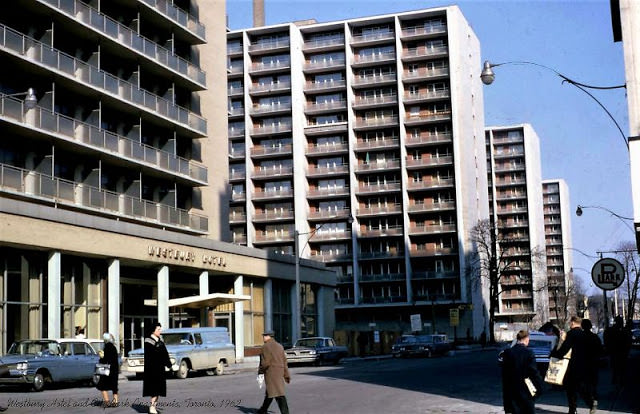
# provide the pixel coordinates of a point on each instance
(366, 137)
(515, 196)
(557, 229)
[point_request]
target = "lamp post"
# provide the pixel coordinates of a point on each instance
(298, 252)
(30, 99)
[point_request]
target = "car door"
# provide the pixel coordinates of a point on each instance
(83, 362)
(203, 358)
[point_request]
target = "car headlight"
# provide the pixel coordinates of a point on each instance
(22, 366)
(312, 352)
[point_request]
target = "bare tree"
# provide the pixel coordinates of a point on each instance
(627, 254)
(497, 258)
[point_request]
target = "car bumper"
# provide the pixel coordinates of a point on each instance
(17, 379)
(302, 359)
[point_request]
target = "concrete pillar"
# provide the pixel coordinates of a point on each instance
(268, 305)
(320, 310)
(53, 302)
(295, 315)
(203, 282)
(238, 322)
(163, 296)
(113, 298)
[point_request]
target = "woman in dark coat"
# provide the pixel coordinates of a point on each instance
(156, 358)
(109, 382)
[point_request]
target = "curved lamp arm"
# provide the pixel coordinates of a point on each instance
(623, 219)
(488, 76)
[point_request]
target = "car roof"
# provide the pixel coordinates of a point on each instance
(193, 330)
(314, 337)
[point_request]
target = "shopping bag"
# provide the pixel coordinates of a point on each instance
(260, 380)
(557, 369)
(103, 369)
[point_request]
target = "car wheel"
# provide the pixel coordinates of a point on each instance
(183, 370)
(219, 369)
(38, 382)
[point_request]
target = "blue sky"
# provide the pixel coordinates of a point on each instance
(578, 141)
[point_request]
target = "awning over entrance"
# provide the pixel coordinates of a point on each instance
(211, 300)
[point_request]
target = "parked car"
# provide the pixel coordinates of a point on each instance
(635, 337)
(39, 362)
(421, 345)
(190, 349)
(541, 344)
(316, 350)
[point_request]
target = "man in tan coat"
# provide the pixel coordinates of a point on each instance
(273, 364)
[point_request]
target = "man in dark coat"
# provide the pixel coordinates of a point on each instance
(273, 365)
(594, 352)
(519, 363)
(617, 342)
(156, 358)
(576, 378)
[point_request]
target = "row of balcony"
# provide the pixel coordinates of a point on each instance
(177, 15)
(126, 36)
(380, 300)
(72, 130)
(26, 183)
(32, 50)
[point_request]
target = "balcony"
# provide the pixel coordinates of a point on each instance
(237, 154)
(380, 232)
(272, 194)
(433, 274)
(423, 52)
(321, 65)
(431, 161)
(379, 188)
(429, 139)
(235, 112)
(235, 133)
(377, 166)
(316, 44)
(383, 277)
(325, 86)
(318, 171)
(237, 218)
(327, 257)
(428, 116)
(372, 38)
(316, 108)
(327, 148)
(508, 154)
(431, 206)
(516, 311)
(362, 102)
(506, 139)
(266, 151)
(323, 236)
(424, 30)
(378, 80)
(427, 183)
(424, 74)
(510, 209)
(239, 239)
(431, 251)
(178, 16)
(515, 195)
(345, 301)
(325, 128)
(273, 237)
(380, 300)
(426, 96)
(67, 66)
(235, 70)
(515, 280)
(239, 196)
(89, 136)
(64, 193)
(377, 210)
(520, 166)
(361, 60)
(436, 297)
(273, 66)
(271, 129)
(500, 181)
(513, 224)
(275, 108)
(269, 88)
(272, 215)
(327, 192)
(233, 49)
(376, 122)
(329, 214)
(432, 229)
(124, 36)
(272, 172)
(235, 92)
(270, 46)
(362, 145)
(393, 253)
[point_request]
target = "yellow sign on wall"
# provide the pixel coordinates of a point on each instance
(454, 317)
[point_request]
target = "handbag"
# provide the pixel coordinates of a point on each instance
(557, 369)
(103, 369)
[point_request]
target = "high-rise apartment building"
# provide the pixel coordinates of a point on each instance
(515, 197)
(557, 229)
(112, 114)
(366, 138)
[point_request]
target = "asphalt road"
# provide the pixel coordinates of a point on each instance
(463, 383)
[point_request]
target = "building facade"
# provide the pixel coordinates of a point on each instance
(557, 229)
(515, 196)
(110, 202)
(365, 137)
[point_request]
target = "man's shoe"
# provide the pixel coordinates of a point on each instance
(3, 409)
(152, 410)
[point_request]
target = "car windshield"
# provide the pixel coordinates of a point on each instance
(533, 343)
(311, 343)
(426, 338)
(178, 338)
(33, 348)
(407, 340)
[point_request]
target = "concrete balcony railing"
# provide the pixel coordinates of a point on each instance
(509, 167)
(325, 106)
(324, 64)
(323, 43)
(335, 257)
(393, 253)
(430, 206)
(327, 148)
(383, 277)
(330, 235)
(377, 165)
(429, 139)
(428, 116)
(431, 183)
(272, 172)
(267, 109)
(236, 111)
(374, 58)
(26, 183)
(330, 214)
(315, 170)
(374, 79)
(377, 144)
(380, 232)
(375, 210)
(426, 96)
(271, 215)
(432, 229)
(270, 45)
(426, 73)
(235, 133)
(431, 251)
(273, 237)
(328, 192)
(512, 223)
(123, 35)
(317, 86)
(511, 195)
(271, 129)
(89, 136)
(235, 91)
(260, 150)
(425, 51)
(371, 37)
(375, 100)
(178, 16)
(432, 274)
(270, 87)
(269, 66)
(378, 188)
(379, 300)
(436, 28)
(516, 311)
(263, 195)
(238, 196)
(237, 218)
(67, 66)
(430, 161)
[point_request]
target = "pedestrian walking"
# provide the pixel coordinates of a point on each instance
(273, 365)
(576, 378)
(594, 352)
(617, 343)
(156, 358)
(109, 382)
(519, 364)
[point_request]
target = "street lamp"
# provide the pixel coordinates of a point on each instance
(30, 99)
(618, 216)
(488, 76)
(298, 252)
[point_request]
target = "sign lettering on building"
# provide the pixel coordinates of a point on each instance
(186, 256)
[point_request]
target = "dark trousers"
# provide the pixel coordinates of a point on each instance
(282, 404)
(575, 388)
